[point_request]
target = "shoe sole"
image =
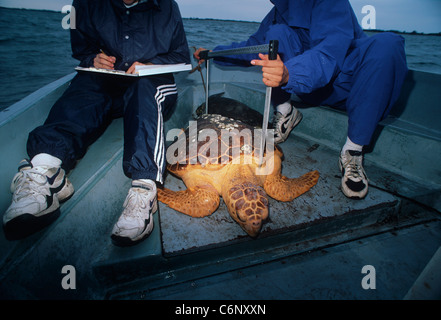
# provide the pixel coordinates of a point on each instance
(351, 196)
(28, 224)
(128, 242)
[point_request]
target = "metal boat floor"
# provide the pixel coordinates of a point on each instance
(324, 204)
(330, 273)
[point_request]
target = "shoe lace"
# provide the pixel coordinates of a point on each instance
(29, 181)
(353, 167)
(136, 201)
(278, 118)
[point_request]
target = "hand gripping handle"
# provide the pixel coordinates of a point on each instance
(273, 49)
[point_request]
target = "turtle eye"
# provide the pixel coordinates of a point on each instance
(239, 205)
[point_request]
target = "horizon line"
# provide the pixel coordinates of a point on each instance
(414, 32)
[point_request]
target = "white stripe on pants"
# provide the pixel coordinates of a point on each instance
(161, 93)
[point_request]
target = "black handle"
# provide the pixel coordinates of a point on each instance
(203, 55)
(273, 49)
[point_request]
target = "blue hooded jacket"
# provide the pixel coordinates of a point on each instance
(327, 30)
(151, 31)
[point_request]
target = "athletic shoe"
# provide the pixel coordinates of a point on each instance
(354, 182)
(136, 221)
(37, 193)
(283, 125)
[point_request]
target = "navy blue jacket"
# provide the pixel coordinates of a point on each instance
(327, 28)
(148, 32)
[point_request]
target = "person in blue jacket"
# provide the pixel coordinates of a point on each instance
(325, 58)
(114, 35)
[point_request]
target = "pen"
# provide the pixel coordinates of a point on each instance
(110, 58)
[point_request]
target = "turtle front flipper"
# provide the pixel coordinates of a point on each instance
(196, 202)
(282, 188)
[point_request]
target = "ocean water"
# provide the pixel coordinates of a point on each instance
(35, 49)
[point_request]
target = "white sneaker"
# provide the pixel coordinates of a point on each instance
(354, 182)
(37, 193)
(136, 221)
(283, 124)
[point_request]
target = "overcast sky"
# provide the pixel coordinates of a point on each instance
(401, 15)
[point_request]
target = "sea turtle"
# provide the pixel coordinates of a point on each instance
(225, 162)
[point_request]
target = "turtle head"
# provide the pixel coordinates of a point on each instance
(248, 205)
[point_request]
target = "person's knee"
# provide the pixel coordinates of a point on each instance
(388, 47)
(140, 91)
(144, 84)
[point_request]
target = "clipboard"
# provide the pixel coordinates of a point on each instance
(143, 70)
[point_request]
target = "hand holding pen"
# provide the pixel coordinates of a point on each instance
(104, 61)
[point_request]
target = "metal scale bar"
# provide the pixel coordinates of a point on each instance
(206, 55)
(272, 50)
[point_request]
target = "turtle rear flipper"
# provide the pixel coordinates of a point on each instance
(196, 202)
(282, 188)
